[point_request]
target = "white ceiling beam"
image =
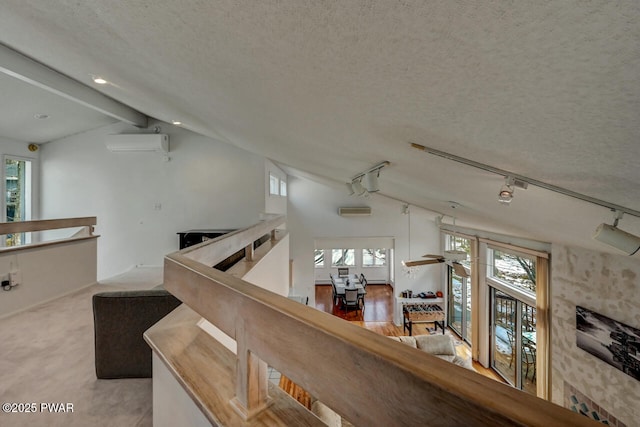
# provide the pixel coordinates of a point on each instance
(29, 71)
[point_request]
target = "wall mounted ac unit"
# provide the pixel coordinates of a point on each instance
(357, 211)
(155, 142)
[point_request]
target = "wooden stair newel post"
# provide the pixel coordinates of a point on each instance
(252, 384)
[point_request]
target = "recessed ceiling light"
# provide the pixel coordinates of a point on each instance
(99, 80)
(176, 122)
(41, 116)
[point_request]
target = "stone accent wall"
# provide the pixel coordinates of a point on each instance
(607, 284)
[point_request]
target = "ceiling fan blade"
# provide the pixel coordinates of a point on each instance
(433, 256)
(422, 262)
(459, 269)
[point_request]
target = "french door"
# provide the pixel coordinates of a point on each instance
(459, 305)
(513, 339)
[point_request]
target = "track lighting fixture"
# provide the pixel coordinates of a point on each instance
(366, 182)
(358, 189)
(505, 195)
(371, 181)
(619, 239)
(525, 180)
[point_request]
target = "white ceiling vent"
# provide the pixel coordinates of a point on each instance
(154, 142)
(357, 211)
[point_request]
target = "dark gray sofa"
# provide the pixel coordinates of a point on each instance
(120, 319)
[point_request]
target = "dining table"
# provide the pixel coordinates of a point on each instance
(353, 283)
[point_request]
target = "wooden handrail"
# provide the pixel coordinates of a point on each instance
(47, 224)
(211, 252)
(366, 377)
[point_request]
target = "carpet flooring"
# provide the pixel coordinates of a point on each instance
(47, 357)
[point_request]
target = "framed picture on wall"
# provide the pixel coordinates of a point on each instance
(609, 340)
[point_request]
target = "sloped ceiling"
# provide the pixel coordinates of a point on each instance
(548, 90)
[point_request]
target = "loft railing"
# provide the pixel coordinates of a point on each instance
(367, 378)
(85, 225)
(43, 270)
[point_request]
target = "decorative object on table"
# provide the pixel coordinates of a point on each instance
(611, 341)
(578, 402)
(426, 295)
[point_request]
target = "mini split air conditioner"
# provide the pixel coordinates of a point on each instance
(154, 142)
(357, 211)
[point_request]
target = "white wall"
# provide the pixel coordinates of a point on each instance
(313, 213)
(46, 273)
(272, 271)
(172, 406)
(206, 184)
(609, 285)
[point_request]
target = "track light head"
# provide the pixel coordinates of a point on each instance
(358, 189)
(619, 239)
(613, 236)
(371, 181)
(505, 195)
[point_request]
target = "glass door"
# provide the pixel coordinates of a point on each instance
(513, 340)
(503, 325)
(17, 179)
(459, 305)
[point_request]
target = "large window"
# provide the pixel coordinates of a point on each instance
(374, 257)
(343, 257)
(517, 271)
(18, 197)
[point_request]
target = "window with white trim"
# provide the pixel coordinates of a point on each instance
(343, 257)
(274, 185)
(374, 257)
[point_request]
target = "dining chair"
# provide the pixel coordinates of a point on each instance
(361, 297)
(334, 292)
(362, 278)
(351, 299)
(529, 359)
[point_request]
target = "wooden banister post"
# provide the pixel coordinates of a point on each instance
(252, 385)
(249, 252)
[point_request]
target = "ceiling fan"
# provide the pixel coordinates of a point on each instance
(451, 258)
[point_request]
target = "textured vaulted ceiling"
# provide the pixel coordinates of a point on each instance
(548, 90)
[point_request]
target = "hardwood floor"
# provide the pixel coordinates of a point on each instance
(378, 306)
(377, 316)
